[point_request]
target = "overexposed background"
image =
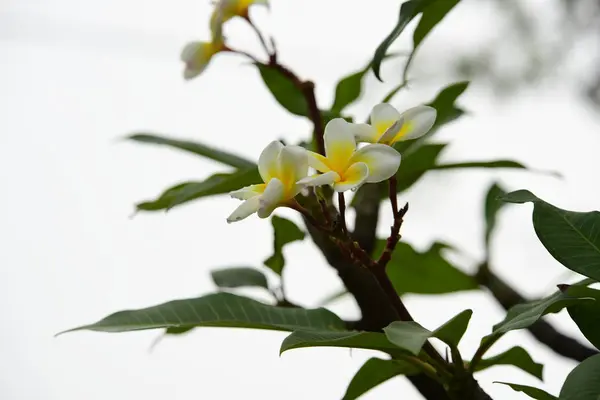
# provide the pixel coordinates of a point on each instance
(75, 77)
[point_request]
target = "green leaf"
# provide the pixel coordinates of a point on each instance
(416, 164)
(492, 207)
(408, 11)
(328, 338)
(411, 336)
(239, 277)
(429, 272)
(333, 297)
(217, 310)
(284, 232)
(196, 148)
(283, 90)
(583, 383)
(572, 238)
(432, 15)
(587, 317)
(215, 185)
(373, 373)
(516, 356)
(530, 391)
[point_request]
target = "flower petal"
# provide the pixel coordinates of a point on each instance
(383, 161)
(317, 161)
(328, 178)
(248, 192)
(245, 209)
(293, 165)
(383, 116)
(390, 134)
(354, 176)
(196, 56)
(339, 144)
(273, 196)
(364, 133)
(418, 121)
(268, 165)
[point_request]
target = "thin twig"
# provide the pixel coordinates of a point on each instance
(260, 36)
(342, 206)
(393, 239)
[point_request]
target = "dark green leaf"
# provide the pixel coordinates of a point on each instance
(239, 277)
(373, 373)
(408, 11)
(583, 383)
(492, 206)
(530, 391)
(284, 232)
(220, 309)
(328, 338)
(416, 164)
(196, 148)
(411, 336)
(516, 356)
(284, 90)
(587, 317)
(215, 185)
(425, 273)
(573, 238)
(432, 15)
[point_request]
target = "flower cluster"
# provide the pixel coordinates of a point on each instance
(197, 55)
(284, 169)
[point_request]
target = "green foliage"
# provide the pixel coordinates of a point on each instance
(416, 164)
(284, 232)
(573, 238)
(411, 336)
(515, 356)
(328, 338)
(374, 372)
(534, 393)
(432, 15)
(583, 383)
(587, 317)
(493, 205)
(284, 90)
(239, 277)
(221, 309)
(195, 148)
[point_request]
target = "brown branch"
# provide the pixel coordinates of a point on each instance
(342, 207)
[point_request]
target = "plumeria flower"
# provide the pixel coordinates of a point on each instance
(197, 56)
(388, 126)
(345, 167)
(228, 9)
(280, 167)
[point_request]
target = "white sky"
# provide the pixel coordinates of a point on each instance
(76, 76)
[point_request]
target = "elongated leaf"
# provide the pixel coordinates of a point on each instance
(328, 338)
(220, 309)
(284, 232)
(411, 336)
(492, 206)
(573, 238)
(530, 391)
(284, 90)
(587, 317)
(425, 273)
(373, 373)
(516, 356)
(408, 11)
(416, 164)
(432, 16)
(215, 185)
(583, 383)
(239, 277)
(194, 147)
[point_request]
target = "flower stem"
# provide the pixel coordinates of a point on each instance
(342, 206)
(260, 36)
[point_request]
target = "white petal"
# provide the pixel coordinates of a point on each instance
(339, 144)
(419, 120)
(293, 165)
(391, 132)
(248, 192)
(384, 114)
(268, 161)
(328, 178)
(273, 196)
(354, 177)
(318, 162)
(383, 161)
(364, 133)
(245, 209)
(196, 56)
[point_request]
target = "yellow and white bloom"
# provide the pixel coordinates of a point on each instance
(280, 167)
(343, 166)
(228, 9)
(412, 123)
(197, 56)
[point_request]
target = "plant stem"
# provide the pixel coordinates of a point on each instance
(422, 365)
(260, 36)
(485, 346)
(342, 206)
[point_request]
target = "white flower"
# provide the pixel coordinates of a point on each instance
(228, 9)
(197, 56)
(345, 167)
(280, 167)
(388, 126)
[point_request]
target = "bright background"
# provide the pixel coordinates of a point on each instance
(77, 76)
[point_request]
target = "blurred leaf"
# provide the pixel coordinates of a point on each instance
(373, 373)
(587, 317)
(333, 297)
(482, 164)
(416, 164)
(408, 10)
(432, 15)
(215, 185)
(516, 356)
(411, 336)
(572, 238)
(284, 90)
(328, 338)
(239, 277)
(583, 383)
(492, 206)
(284, 232)
(530, 391)
(425, 273)
(196, 148)
(220, 309)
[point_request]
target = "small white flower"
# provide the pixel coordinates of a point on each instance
(197, 56)
(228, 9)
